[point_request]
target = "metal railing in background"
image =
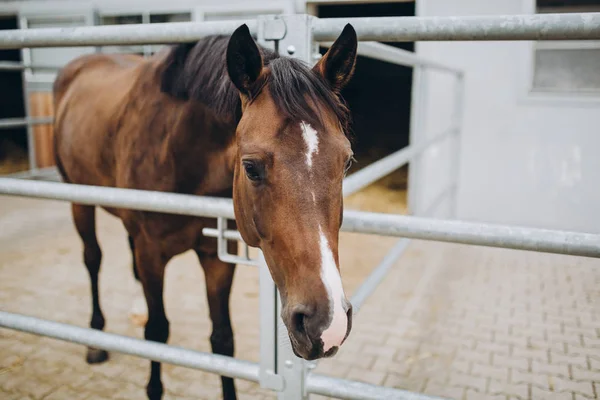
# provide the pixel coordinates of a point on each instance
(26, 122)
(279, 369)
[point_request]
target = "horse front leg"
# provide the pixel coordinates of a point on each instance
(151, 270)
(84, 218)
(219, 278)
(138, 314)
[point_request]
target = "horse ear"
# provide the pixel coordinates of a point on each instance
(244, 62)
(173, 77)
(337, 65)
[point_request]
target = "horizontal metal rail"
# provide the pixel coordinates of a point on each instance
(46, 173)
(394, 55)
(385, 166)
(175, 32)
(369, 285)
(170, 203)
(490, 235)
(8, 123)
(510, 237)
(347, 389)
(213, 363)
(17, 66)
(575, 26)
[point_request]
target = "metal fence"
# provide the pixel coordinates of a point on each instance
(26, 122)
(279, 369)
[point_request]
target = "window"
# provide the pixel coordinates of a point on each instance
(567, 66)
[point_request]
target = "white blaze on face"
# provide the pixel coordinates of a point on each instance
(312, 142)
(335, 333)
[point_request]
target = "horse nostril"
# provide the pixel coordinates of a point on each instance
(298, 319)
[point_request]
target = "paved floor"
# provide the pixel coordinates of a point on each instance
(456, 321)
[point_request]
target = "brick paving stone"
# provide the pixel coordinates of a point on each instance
(385, 365)
(468, 381)
(583, 388)
(501, 360)
(561, 370)
(569, 359)
(530, 354)
(520, 391)
(378, 351)
(583, 351)
(433, 388)
(568, 339)
(491, 371)
(534, 379)
(577, 396)
(592, 342)
(362, 375)
(462, 366)
(479, 357)
(493, 347)
(471, 394)
(585, 375)
(588, 332)
(406, 383)
(537, 393)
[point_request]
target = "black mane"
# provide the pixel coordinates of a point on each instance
(199, 72)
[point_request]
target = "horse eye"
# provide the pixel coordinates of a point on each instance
(254, 171)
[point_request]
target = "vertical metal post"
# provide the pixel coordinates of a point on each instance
(459, 101)
(291, 368)
(26, 59)
(269, 379)
(147, 49)
(416, 137)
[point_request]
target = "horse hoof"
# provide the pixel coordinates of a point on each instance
(96, 356)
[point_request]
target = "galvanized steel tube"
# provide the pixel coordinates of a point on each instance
(575, 26)
(386, 165)
(508, 237)
(7, 123)
(369, 285)
(394, 55)
(543, 240)
(17, 66)
(214, 363)
(146, 200)
(175, 32)
(347, 389)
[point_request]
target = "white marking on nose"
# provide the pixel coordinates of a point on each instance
(336, 331)
(312, 142)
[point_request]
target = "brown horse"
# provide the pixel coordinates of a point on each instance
(218, 117)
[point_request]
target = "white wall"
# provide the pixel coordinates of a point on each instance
(525, 160)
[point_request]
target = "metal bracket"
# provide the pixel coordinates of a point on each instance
(223, 235)
(273, 28)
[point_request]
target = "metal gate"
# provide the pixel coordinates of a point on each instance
(279, 369)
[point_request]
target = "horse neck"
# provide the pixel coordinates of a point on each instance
(203, 150)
